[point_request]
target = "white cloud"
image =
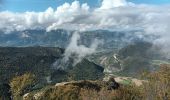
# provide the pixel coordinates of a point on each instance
(67, 14)
(108, 4)
(49, 19)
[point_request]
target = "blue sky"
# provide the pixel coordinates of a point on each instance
(41, 5)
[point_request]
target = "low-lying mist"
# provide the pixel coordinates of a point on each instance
(75, 52)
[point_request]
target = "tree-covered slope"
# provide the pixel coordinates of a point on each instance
(15, 61)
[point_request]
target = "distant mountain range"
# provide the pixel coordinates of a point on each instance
(61, 38)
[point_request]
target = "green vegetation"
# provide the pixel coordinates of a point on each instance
(86, 70)
(15, 61)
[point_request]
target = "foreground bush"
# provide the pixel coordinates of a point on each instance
(158, 85)
(21, 84)
(123, 93)
(86, 90)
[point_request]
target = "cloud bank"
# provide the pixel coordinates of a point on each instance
(111, 15)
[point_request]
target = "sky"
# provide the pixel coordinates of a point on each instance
(41, 5)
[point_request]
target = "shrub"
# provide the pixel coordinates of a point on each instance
(123, 93)
(158, 85)
(22, 84)
(68, 92)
